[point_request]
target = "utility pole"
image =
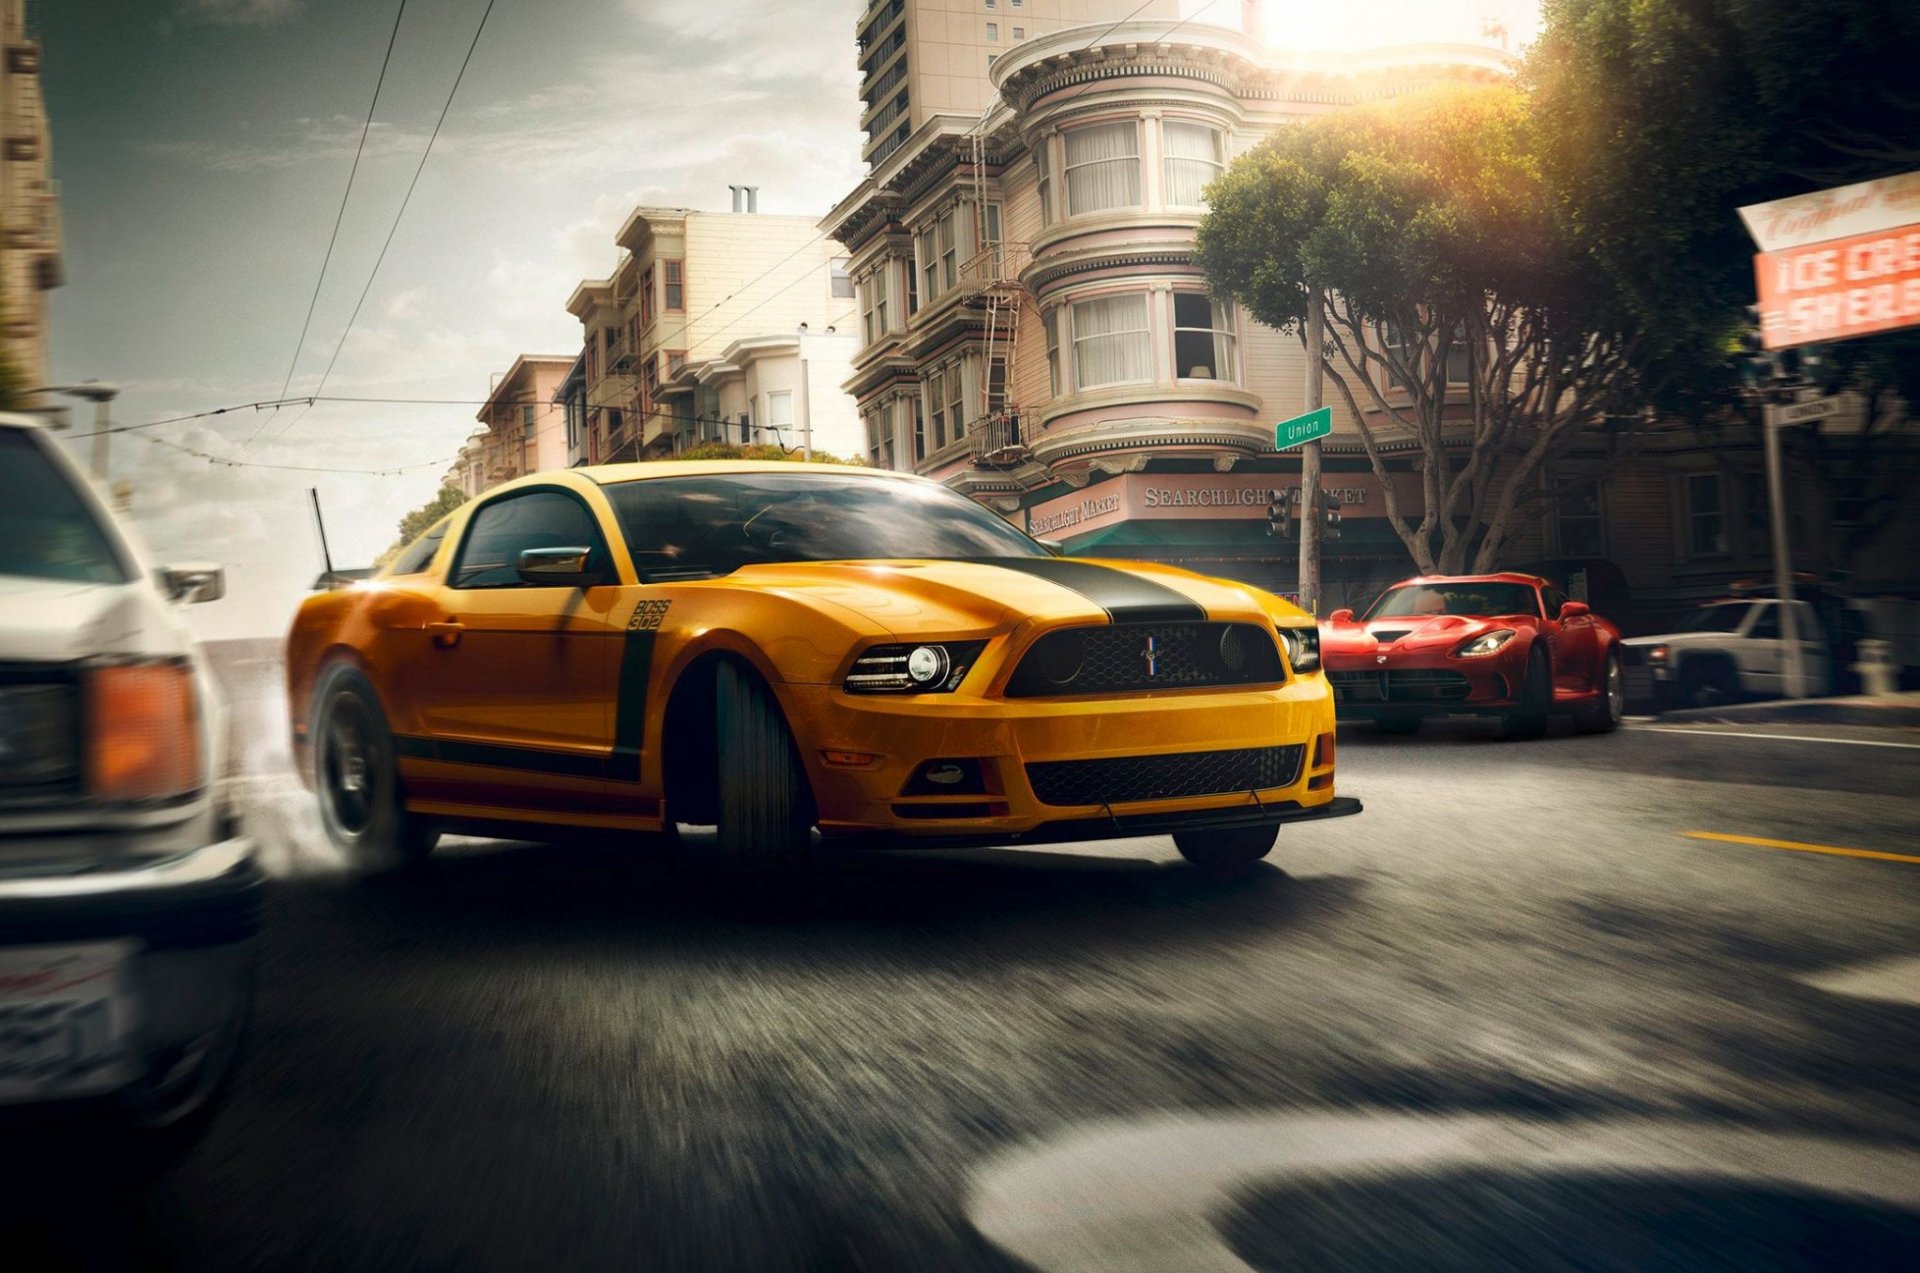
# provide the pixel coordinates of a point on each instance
(1310, 464)
(1783, 554)
(806, 402)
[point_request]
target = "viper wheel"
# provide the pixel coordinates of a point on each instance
(1529, 718)
(358, 781)
(765, 807)
(1605, 713)
(1227, 851)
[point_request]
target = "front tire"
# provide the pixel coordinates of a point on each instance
(1605, 713)
(358, 781)
(766, 809)
(1529, 718)
(1226, 852)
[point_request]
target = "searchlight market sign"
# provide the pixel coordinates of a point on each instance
(1838, 263)
(1205, 497)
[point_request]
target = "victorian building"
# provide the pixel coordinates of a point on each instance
(30, 238)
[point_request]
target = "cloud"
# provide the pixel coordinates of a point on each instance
(405, 304)
(238, 12)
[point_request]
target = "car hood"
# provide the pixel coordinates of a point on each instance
(1411, 632)
(55, 620)
(929, 596)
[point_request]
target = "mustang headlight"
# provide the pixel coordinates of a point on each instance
(1303, 649)
(931, 667)
(1484, 644)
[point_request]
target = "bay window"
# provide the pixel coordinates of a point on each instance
(1111, 341)
(1103, 167)
(1043, 168)
(949, 248)
(936, 409)
(1051, 321)
(875, 295)
(1195, 155)
(1203, 340)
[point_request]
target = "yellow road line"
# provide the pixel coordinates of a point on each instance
(1797, 847)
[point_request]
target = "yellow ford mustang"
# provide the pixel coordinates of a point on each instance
(771, 648)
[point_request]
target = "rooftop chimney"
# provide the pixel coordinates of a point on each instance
(753, 198)
(735, 190)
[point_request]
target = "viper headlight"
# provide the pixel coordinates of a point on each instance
(931, 667)
(1484, 644)
(1303, 649)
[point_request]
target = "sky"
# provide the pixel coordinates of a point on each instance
(203, 147)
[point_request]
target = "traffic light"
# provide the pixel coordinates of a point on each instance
(1330, 512)
(1280, 506)
(1759, 366)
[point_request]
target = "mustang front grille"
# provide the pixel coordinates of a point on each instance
(1121, 779)
(1400, 685)
(40, 754)
(1146, 656)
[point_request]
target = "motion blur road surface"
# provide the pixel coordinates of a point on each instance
(590, 1058)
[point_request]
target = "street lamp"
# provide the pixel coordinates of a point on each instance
(99, 393)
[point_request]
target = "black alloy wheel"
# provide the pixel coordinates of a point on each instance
(1529, 718)
(358, 782)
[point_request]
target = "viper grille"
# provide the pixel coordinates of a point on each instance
(1120, 779)
(1125, 657)
(1400, 685)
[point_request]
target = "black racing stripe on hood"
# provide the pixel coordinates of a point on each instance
(1125, 597)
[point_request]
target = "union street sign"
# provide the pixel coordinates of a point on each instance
(1310, 427)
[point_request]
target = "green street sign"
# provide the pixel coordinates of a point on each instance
(1310, 427)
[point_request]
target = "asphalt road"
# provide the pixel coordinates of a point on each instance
(590, 1058)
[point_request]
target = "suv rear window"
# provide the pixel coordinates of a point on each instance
(47, 529)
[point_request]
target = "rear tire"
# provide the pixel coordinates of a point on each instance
(1226, 852)
(1529, 718)
(1397, 725)
(357, 779)
(766, 810)
(1708, 683)
(1604, 714)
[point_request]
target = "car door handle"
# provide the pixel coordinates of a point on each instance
(446, 634)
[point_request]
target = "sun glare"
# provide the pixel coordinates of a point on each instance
(1360, 24)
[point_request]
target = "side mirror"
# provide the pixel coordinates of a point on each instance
(1574, 609)
(193, 581)
(1340, 616)
(557, 568)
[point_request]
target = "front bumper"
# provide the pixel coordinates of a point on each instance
(189, 922)
(1421, 683)
(1004, 737)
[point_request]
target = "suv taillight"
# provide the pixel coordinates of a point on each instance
(143, 732)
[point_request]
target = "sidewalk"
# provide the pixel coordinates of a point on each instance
(1887, 711)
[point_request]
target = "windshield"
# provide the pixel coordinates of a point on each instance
(696, 527)
(1420, 601)
(1721, 618)
(47, 530)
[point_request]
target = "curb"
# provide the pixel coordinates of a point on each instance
(1902, 712)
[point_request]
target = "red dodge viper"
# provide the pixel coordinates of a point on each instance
(1507, 646)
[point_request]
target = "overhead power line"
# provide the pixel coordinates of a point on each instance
(338, 217)
(406, 199)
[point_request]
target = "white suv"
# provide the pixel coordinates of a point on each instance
(1731, 650)
(129, 900)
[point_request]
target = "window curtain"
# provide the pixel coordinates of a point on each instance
(1103, 167)
(1193, 160)
(1111, 344)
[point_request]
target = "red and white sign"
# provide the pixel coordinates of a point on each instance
(1205, 497)
(1840, 288)
(1843, 212)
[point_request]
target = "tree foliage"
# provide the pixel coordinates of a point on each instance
(421, 519)
(1428, 217)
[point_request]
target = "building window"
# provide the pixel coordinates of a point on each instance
(1111, 342)
(1051, 321)
(1042, 168)
(1203, 342)
(646, 298)
(1103, 167)
(949, 249)
(937, 409)
(673, 275)
(1706, 518)
(649, 385)
(1196, 154)
(993, 33)
(919, 430)
(1019, 34)
(526, 421)
(780, 409)
(929, 266)
(913, 289)
(996, 385)
(1581, 527)
(676, 359)
(841, 283)
(1395, 345)
(879, 438)
(875, 322)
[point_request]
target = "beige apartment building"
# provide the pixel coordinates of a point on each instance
(523, 426)
(729, 326)
(30, 241)
(1035, 331)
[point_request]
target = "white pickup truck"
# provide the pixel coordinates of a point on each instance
(1731, 650)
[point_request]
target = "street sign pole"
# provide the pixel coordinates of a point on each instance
(1310, 465)
(1782, 555)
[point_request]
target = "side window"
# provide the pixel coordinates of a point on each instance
(504, 529)
(1767, 626)
(418, 555)
(1552, 600)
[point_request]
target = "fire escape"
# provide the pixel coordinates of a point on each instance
(993, 285)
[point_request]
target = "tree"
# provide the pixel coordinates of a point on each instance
(416, 523)
(1442, 256)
